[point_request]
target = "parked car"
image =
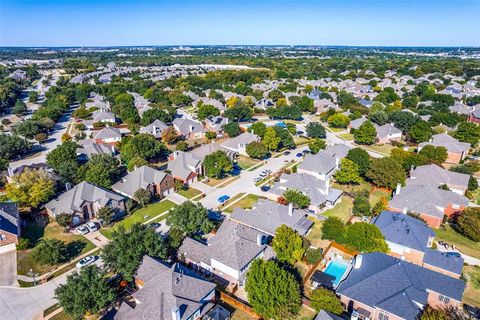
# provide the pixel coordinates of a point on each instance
(154, 225)
(92, 226)
(256, 179)
(82, 230)
(454, 254)
(86, 261)
(223, 198)
(265, 188)
(267, 171)
(300, 132)
(306, 151)
(263, 174)
(286, 153)
(298, 155)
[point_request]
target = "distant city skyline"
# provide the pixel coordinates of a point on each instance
(412, 23)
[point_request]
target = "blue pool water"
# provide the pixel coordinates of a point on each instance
(336, 269)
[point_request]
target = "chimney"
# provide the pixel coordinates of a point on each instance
(176, 313)
(10, 172)
(290, 209)
(259, 239)
(358, 261)
(191, 128)
(68, 186)
(411, 171)
(399, 187)
(337, 162)
(154, 129)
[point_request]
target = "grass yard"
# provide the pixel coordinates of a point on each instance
(385, 149)
(376, 194)
(215, 182)
(465, 245)
(229, 201)
(189, 193)
(76, 245)
(306, 314)
(245, 203)
(140, 215)
(315, 234)
(342, 210)
(354, 188)
(301, 140)
(247, 162)
(336, 129)
(472, 291)
(346, 136)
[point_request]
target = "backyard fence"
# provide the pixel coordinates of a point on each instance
(232, 301)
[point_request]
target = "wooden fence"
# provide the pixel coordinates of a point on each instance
(228, 299)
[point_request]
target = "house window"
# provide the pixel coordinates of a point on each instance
(382, 316)
(444, 299)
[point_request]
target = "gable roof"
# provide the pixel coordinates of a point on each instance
(321, 163)
(108, 133)
(244, 138)
(426, 199)
(155, 128)
(140, 178)
(72, 200)
(185, 126)
(404, 230)
(165, 289)
(387, 130)
(9, 217)
(267, 216)
(449, 142)
(183, 164)
(395, 285)
(325, 315)
(443, 261)
(436, 176)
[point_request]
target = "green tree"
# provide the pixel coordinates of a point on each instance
(155, 114)
(333, 229)
(64, 220)
(270, 139)
(207, 110)
(297, 198)
(468, 223)
(12, 146)
(403, 120)
(19, 108)
(338, 120)
(349, 172)
(136, 162)
(217, 164)
(190, 218)
(420, 132)
(324, 299)
(316, 145)
(143, 197)
(182, 146)
(256, 150)
(365, 237)
(232, 129)
(258, 128)
(49, 251)
(468, 132)
(125, 252)
(361, 206)
(238, 113)
(142, 145)
(365, 134)
(86, 292)
(315, 130)
(361, 158)
(31, 188)
(169, 135)
(434, 154)
(379, 117)
(101, 170)
(106, 214)
(288, 245)
(273, 292)
(386, 172)
(210, 135)
(313, 256)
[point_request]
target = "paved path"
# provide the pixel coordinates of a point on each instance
(468, 259)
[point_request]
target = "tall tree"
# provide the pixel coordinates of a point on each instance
(190, 218)
(468, 132)
(141, 145)
(217, 164)
(324, 299)
(386, 172)
(270, 139)
(316, 130)
(288, 245)
(31, 188)
(365, 134)
(101, 170)
(349, 172)
(361, 158)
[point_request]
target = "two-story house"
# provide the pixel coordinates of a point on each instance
(189, 129)
(457, 151)
(239, 143)
(185, 167)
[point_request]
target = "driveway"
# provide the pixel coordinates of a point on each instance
(8, 268)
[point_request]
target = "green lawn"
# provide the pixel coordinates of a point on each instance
(346, 136)
(472, 291)
(301, 140)
(76, 245)
(189, 193)
(377, 194)
(245, 203)
(362, 186)
(385, 149)
(315, 234)
(140, 215)
(465, 245)
(215, 182)
(337, 129)
(306, 314)
(247, 162)
(342, 210)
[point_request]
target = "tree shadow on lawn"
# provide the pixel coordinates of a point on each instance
(73, 249)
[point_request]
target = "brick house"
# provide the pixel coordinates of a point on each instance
(457, 151)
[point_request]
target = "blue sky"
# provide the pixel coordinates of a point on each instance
(321, 22)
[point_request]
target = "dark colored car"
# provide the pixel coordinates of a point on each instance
(265, 188)
(298, 155)
(286, 153)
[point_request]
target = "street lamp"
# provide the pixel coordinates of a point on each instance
(33, 275)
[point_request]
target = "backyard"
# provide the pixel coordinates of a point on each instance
(247, 162)
(76, 245)
(342, 210)
(377, 194)
(315, 234)
(141, 215)
(245, 203)
(462, 243)
(472, 291)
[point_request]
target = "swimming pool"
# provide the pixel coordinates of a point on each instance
(336, 269)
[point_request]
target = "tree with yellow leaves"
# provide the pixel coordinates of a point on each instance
(31, 188)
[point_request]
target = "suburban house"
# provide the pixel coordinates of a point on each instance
(429, 202)
(215, 124)
(84, 200)
(170, 293)
(474, 116)
(437, 176)
(155, 129)
(207, 101)
(11, 173)
(108, 135)
(457, 151)
(323, 105)
(319, 191)
(185, 167)
(189, 129)
(366, 103)
(141, 104)
(88, 148)
(355, 124)
(228, 254)
(264, 104)
(100, 116)
(10, 230)
(266, 216)
(205, 149)
(239, 143)
(388, 133)
(157, 182)
(380, 286)
(97, 101)
(325, 163)
(410, 239)
(325, 315)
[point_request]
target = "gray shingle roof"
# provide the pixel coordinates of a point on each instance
(234, 245)
(208, 148)
(9, 217)
(183, 164)
(166, 288)
(155, 128)
(321, 163)
(355, 124)
(394, 285)
(387, 130)
(426, 199)
(436, 176)
(267, 216)
(449, 142)
(185, 126)
(72, 200)
(245, 138)
(325, 315)
(108, 133)
(443, 261)
(139, 178)
(404, 230)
